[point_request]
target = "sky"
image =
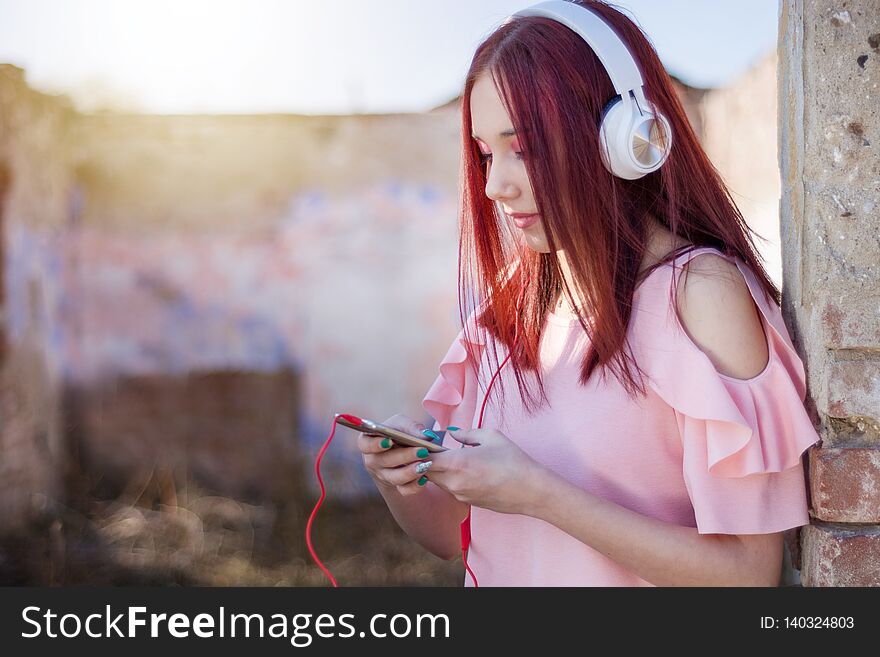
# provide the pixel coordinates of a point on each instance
(322, 57)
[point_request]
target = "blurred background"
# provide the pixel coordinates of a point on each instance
(224, 222)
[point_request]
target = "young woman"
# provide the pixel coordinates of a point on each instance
(657, 426)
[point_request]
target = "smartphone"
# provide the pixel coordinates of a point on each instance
(375, 429)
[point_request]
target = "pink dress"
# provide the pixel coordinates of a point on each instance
(702, 449)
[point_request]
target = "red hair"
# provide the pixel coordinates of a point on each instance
(554, 89)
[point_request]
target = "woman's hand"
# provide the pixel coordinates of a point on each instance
(395, 465)
(494, 474)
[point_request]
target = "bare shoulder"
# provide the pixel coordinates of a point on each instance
(718, 312)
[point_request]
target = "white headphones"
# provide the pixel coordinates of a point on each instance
(633, 144)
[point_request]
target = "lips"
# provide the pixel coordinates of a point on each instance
(523, 221)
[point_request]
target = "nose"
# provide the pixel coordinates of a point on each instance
(499, 185)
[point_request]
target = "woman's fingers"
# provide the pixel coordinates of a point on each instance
(414, 487)
(369, 444)
(393, 457)
(406, 474)
(394, 464)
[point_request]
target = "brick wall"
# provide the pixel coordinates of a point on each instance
(829, 70)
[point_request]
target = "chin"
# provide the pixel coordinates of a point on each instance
(537, 245)
(535, 238)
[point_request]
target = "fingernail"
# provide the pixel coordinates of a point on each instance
(422, 453)
(423, 466)
(386, 442)
(453, 428)
(430, 434)
(423, 481)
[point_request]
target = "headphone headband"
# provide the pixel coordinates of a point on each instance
(605, 42)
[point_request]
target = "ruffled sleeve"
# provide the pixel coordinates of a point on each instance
(742, 439)
(452, 398)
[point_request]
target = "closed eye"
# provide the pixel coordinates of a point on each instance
(486, 157)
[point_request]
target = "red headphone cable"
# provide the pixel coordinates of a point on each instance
(318, 505)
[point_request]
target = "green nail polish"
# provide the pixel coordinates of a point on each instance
(386, 442)
(422, 453)
(423, 480)
(453, 428)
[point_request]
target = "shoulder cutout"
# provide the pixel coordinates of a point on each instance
(716, 309)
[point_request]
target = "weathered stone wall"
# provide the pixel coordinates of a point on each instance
(829, 69)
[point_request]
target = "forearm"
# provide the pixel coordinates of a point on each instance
(661, 553)
(432, 517)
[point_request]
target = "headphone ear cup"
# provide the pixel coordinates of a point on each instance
(631, 142)
(652, 142)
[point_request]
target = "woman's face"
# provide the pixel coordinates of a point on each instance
(506, 180)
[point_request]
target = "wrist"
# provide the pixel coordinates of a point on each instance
(545, 490)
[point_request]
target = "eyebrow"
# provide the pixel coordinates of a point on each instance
(506, 133)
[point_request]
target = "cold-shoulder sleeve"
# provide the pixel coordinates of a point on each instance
(742, 439)
(452, 398)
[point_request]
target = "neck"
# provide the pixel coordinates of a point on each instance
(563, 306)
(659, 242)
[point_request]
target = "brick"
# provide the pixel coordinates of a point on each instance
(846, 319)
(853, 387)
(837, 555)
(845, 484)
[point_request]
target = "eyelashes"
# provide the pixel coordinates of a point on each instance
(487, 157)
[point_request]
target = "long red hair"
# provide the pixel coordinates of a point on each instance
(554, 89)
